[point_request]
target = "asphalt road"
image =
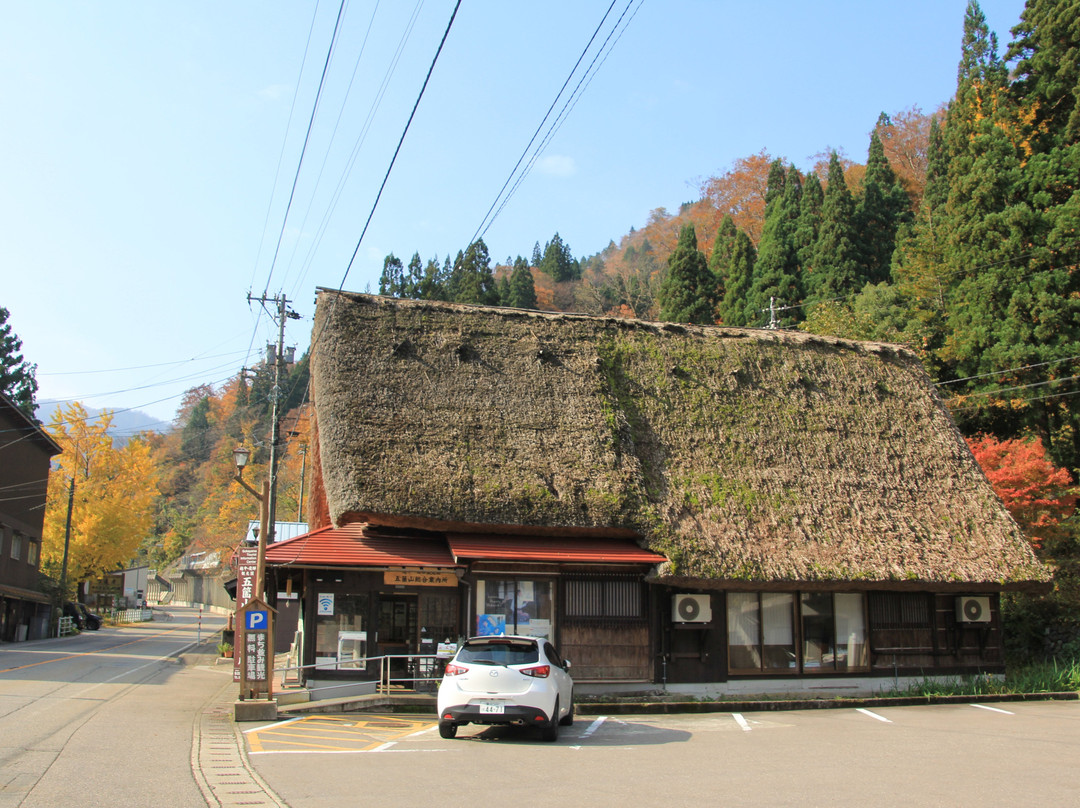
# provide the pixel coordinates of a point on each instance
(1009, 754)
(104, 718)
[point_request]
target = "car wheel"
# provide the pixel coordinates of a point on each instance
(551, 729)
(568, 719)
(447, 729)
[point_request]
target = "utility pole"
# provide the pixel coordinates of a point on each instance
(281, 313)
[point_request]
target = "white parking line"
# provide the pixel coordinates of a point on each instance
(742, 722)
(593, 727)
(995, 709)
(873, 715)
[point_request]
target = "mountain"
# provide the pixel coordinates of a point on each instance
(125, 423)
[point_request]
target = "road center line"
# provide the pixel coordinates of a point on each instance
(873, 715)
(742, 722)
(995, 709)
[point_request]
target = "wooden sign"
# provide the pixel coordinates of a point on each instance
(419, 578)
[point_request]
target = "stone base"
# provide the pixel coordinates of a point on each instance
(255, 710)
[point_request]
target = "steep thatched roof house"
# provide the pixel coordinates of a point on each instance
(814, 505)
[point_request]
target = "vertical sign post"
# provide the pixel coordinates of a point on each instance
(246, 571)
(258, 671)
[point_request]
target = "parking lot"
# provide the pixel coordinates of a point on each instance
(958, 754)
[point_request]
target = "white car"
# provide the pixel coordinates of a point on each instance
(506, 680)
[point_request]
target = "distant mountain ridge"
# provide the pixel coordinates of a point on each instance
(125, 423)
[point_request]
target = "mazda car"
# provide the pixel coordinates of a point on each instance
(508, 680)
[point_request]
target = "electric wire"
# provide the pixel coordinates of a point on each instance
(554, 101)
(307, 138)
(284, 142)
(567, 107)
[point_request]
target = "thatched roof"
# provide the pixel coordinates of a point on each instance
(745, 456)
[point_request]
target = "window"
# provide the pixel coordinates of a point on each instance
(33, 552)
(617, 598)
(762, 632)
(16, 546)
(514, 606)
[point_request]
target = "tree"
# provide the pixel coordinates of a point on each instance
(686, 295)
(740, 193)
(836, 269)
(776, 270)
(471, 279)
(17, 376)
(881, 209)
(557, 262)
(392, 279)
(1038, 494)
(114, 491)
(738, 274)
(522, 287)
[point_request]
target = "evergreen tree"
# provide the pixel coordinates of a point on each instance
(502, 289)
(882, 208)
(522, 287)
(391, 281)
(836, 267)
(720, 258)
(414, 277)
(557, 261)
(537, 256)
(17, 376)
(774, 188)
(471, 279)
(738, 274)
(686, 294)
(809, 223)
(776, 270)
(1047, 73)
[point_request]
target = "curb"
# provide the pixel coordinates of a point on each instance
(661, 707)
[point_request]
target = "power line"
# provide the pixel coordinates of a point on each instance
(528, 146)
(307, 138)
(404, 132)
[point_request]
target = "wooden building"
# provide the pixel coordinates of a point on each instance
(668, 503)
(26, 452)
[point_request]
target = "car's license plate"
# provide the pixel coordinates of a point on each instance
(491, 708)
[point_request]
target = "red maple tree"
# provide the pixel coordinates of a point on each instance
(1037, 493)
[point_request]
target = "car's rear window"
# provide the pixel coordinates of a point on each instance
(499, 652)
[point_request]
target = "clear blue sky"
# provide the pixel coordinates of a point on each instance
(141, 142)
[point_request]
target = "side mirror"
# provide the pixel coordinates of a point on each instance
(566, 664)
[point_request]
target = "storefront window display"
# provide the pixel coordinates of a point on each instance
(338, 614)
(514, 606)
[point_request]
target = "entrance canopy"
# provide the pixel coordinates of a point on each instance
(353, 545)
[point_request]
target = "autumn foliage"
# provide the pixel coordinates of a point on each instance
(1038, 494)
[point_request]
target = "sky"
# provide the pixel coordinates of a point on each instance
(164, 161)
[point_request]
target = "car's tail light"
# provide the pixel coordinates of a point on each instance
(540, 671)
(454, 670)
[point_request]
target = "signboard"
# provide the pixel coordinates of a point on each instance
(258, 644)
(325, 606)
(247, 567)
(419, 578)
(257, 620)
(107, 585)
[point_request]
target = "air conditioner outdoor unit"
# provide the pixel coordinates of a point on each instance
(691, 608)
(971, 609)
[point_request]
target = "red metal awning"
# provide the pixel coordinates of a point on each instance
(353, 546)
(537, 548)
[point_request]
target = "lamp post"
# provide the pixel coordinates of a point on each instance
(241, 455)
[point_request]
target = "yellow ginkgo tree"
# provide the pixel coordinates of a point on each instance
(108, 490)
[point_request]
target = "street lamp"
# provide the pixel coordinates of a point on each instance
(241, 455)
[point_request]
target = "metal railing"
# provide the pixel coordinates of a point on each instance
(422, 672)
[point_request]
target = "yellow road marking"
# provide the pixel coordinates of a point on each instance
(367, 733)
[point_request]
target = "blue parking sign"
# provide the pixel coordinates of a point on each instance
(257, 620)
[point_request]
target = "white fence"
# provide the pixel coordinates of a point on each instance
(133, 615)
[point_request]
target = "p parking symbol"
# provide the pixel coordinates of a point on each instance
(257, 620)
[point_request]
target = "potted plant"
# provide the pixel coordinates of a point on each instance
(225, 649)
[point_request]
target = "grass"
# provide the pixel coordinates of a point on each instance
(1053, 676)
